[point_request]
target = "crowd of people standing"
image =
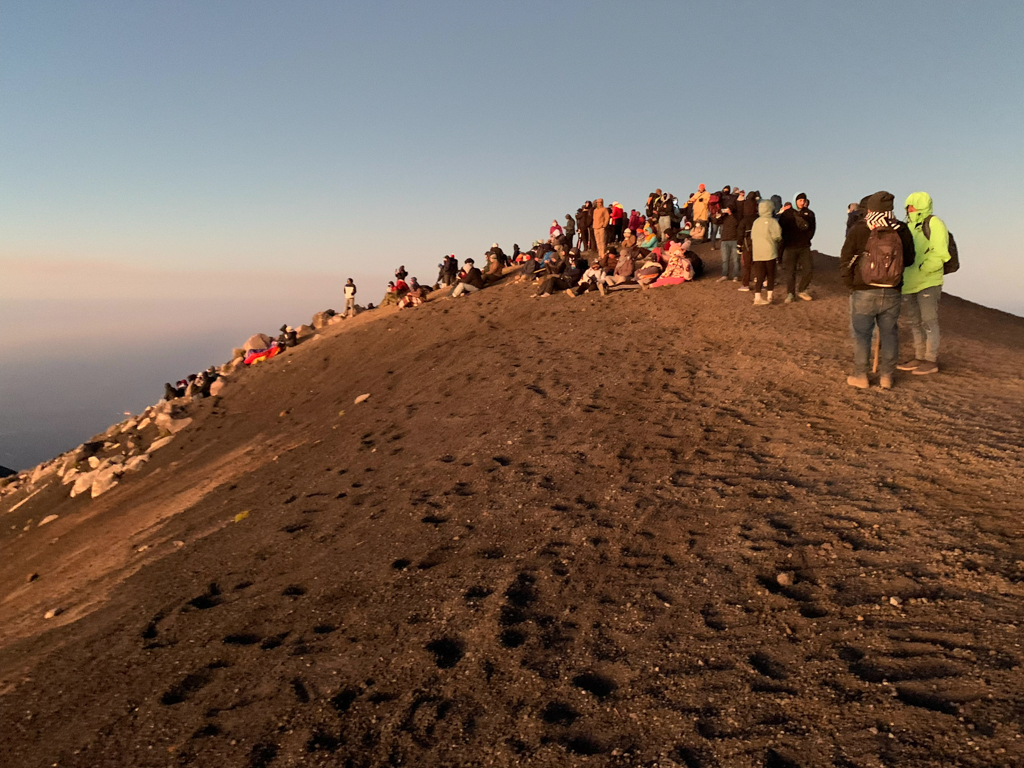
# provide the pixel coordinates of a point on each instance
(889, 265)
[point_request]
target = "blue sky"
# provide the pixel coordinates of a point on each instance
(332, 138)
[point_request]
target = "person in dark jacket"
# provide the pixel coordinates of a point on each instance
(873, 306)
(729, 226)
(853, 215)
(471, 282)
(748, 215)
(584, 225)
(568, 277)
(570, 230)
(798, 227)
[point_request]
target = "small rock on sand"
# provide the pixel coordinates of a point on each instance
(158, 444)
(47, 519)
(785, 579)
(362, 398)
(53, 612)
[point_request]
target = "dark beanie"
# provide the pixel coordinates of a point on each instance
(881, 202)
(802, 196)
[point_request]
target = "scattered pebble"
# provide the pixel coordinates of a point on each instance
(241, 516)
(47, 519)
(31, 577)
(785, 579)
(53, 612)
(362, 398)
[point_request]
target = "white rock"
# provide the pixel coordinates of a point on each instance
(217, 387)
(174, 426)
(145, 423)
(362, 398)
(136, 462)
(39, 473)
(94, 461)
(257, 341)
(69, 476)
(83, 483)
(130, 424)
(47, 519)
(104, 481)
(158, 444)
(53, 612)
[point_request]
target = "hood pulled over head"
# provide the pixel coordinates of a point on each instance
(922, 203)
(765, 208)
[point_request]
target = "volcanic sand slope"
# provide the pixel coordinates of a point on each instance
(651, 529)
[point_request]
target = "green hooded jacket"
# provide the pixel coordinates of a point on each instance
(931, 254)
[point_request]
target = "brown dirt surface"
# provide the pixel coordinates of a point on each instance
(653, 529)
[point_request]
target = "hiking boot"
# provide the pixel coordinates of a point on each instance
(790, 298)
(601, 289)
(805, 296)
(744, 287)
(885, 381)
(722, 279)
(926, 367)
(909, 365)
(860, 382)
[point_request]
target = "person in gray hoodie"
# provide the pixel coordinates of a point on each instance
(765, 239)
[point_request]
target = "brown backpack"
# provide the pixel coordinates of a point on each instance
(881, 264)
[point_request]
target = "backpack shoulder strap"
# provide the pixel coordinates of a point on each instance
(926, 227)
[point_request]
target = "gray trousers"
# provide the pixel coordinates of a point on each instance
(921, 310)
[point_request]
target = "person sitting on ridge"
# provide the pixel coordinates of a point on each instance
(471, 282)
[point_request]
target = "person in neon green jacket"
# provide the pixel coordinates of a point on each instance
(922, 283)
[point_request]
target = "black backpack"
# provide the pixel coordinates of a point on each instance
(954, 257)
(881, 264)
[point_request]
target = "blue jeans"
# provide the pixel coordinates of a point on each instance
(713, 230)
(881, 307)
(730, 259)
(922, 311)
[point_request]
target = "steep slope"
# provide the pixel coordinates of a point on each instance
(651, 529)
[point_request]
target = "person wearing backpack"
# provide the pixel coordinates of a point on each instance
(877, 251)
(922, 283)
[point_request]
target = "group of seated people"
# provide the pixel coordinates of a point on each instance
(629, 263)
(195, 385)
(640, 254)
(404, 294)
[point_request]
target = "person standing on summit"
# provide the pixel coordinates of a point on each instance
(798, 226)
(765, 238)
(602, 217)
(876, 252)
(700, 200)
(922, 283)
(350, 298)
